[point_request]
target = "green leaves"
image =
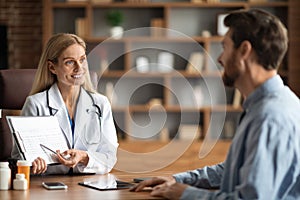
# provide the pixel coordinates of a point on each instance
(114, 18)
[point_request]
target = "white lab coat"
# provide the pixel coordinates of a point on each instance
(94, 132)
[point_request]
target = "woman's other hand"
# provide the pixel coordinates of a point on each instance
(39, 166)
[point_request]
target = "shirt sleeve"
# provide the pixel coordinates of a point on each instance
(208, 177)
(197, 193)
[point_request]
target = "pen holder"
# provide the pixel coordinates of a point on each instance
(24, 168)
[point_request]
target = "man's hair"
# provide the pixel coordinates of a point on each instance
(265, 32)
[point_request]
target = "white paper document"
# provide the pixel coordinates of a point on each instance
(31, 133)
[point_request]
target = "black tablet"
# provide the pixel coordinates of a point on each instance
(103, 185)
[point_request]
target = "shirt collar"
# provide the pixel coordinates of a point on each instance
(268, 87)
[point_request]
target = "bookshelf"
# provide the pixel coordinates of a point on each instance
(193, 29)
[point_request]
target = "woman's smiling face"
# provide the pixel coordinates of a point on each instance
(71, 66)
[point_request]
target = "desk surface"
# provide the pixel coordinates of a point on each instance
(75, 191)
(189, 160)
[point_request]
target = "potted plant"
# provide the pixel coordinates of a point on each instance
(115, 19)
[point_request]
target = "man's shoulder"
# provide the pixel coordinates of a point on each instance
(282, 109)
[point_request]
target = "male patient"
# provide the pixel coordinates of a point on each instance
(264, 158)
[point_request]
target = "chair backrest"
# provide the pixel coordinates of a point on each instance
(15, 85)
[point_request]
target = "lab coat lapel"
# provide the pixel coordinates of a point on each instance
(58, 107)
(82, 116)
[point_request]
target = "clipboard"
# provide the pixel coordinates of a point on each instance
(30, 132)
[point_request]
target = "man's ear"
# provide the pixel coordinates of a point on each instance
(51, 67)
(245, 49)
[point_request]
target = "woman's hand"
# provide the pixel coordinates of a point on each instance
(39, 166)
(75, 157)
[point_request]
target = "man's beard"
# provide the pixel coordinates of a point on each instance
(228, 81)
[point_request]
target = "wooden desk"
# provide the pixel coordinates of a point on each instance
(189, 160)
(75, 191)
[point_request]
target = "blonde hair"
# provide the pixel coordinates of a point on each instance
(44, 79)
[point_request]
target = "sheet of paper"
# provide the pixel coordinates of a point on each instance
(33, 131)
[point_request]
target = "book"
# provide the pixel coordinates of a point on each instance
(80, 27)
(198, 1)
(77, 0)
(237, 98)
(164, 135)
(102, 1)
(32, 133)
(136, 1)
(195, 62)
(189, 132)
(257, 1)
(157, 27)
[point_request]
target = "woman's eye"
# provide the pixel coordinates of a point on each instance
(70, 62)
(82, 60)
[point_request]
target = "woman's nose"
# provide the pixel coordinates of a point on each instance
(78, 65)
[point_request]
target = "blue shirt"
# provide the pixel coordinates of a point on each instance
(263, 161)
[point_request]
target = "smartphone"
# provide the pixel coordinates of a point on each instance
(54, 185)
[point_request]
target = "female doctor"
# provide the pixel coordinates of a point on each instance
(62, 87)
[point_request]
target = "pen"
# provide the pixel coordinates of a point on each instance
(43, 146)
(65, 157)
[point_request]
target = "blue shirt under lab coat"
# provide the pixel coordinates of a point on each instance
(264, 158)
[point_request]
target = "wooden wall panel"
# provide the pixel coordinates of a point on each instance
(294, 48)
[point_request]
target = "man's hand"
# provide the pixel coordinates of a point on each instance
(152, 182)
(169, 191)
(39, 166)
(75, 157)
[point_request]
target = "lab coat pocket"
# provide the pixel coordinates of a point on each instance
(92, 134)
